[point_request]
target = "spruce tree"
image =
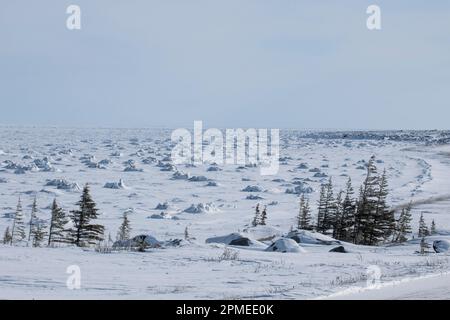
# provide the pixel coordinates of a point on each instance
(33, 219)
(384, 217)
(18, 229)
(423, 229)
(321, 211)
(263, 216)
(256, 218)
(338, 222)
(367, 219)
(423, 246)
(186, 234)
(7, 236)
(348, 214)
(57, 231)
(404, 224)
(125, 229)
(304, 215)
(331, 205)
(327, 208)
(433, 228)
(39, 234)
(85, 233)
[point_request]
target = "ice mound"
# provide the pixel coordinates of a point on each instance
(178, 175)
(440, 246)
(285, 245)
(202, 208)
(252, 189)
(87, 159)
(63, 184)
(44, 164)
(254, 197)
(235, 239)
(20, 170)
(302, 166)
(198, 179)
(105, 162)
(116, 154)
(310, 237)
(300, 188)
(132, 168)
(320, 175)
(115, 185)
(149, 160)
(163, 215)
(163, 206)
(166, 166)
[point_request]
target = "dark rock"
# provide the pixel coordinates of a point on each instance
(339, 249)
(245, 242)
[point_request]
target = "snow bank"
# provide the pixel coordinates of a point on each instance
(285, 245)
(263, 233)
(236, 239)
(310, 237)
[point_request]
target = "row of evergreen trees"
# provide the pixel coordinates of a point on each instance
(82, 231)
(365, 220)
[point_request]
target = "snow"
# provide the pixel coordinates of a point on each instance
(285, 245)
(418, 168)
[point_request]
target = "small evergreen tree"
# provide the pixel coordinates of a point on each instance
(125, 229)
(85, 233)
(7, 236)
(263, 216)
(257, 217)
(327, 208)
(404, 224)
(304, 215)
(433, 228)
(423, 229)
(18, 229)
(367, 215)
(321, 211)
(338, 222)
(386, 218)
(423, 246)
(33, 218)
(348, 214)
(39, 234)
(186, 234)
(57, 231)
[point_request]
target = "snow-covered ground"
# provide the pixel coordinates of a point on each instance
(130, 170)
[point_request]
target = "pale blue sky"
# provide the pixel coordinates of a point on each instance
(230, 63)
